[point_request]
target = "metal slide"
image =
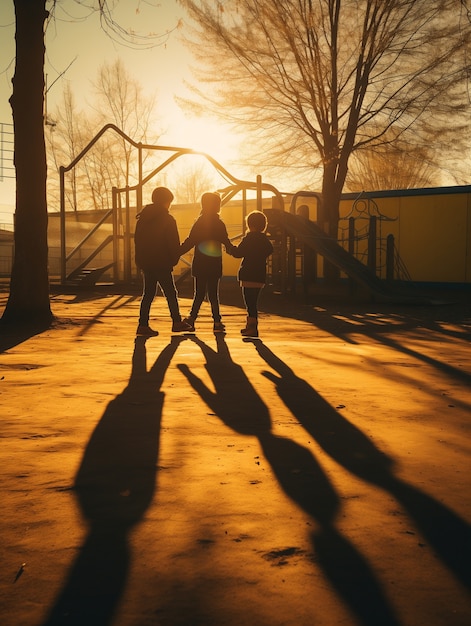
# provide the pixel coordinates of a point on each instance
(311, 235)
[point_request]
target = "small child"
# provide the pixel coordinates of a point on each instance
(206, 236)
(254, 249)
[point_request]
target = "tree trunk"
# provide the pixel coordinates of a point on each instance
(28, 302)
(331, 193)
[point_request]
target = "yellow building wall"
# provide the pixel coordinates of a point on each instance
(432, 233)
(433, 236)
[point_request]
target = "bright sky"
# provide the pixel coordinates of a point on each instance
(161, 71)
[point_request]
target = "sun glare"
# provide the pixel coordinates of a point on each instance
(208, 136)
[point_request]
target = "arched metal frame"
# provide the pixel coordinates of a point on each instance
(235, 186)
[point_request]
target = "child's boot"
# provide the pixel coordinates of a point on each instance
(191, 323)
(251, 328)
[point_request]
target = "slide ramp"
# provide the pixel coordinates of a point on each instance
(311, 235)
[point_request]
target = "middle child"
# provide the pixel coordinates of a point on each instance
(206, 236)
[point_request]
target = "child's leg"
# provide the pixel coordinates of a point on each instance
(251, 298)
(148, 294)
(170, 292)
(213, 295)
(198, 297)
(251, 295)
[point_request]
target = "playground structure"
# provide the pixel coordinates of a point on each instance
(114, 228)
(104, 251)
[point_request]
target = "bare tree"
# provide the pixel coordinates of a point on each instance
(392, 166)
(119, 99)
(28, 301)
(192, 181)
(65, 139)
(111, 161)
(313, 81)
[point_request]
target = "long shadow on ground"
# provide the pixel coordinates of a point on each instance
(302, 478)
(114, 486)
(446, 532)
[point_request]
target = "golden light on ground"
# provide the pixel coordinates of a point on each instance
(319, 475)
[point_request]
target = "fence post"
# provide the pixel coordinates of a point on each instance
(351, 235)
(127, 239)
(390, 257)
(372, 244)
(115, 219)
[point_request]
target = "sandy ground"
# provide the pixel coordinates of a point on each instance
(318, 476)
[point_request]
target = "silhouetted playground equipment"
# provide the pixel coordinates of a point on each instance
(117, 222)
(298, 240)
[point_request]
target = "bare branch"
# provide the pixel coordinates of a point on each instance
(315, 81)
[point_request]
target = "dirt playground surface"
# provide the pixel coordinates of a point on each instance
(317, 476)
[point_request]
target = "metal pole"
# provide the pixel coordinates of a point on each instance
(390, 257)
(372, 244)
(259, 192)
(127, 241)
(139, 187)
(62, 223)
(351, 235)
(114, 196)
(244, 210)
